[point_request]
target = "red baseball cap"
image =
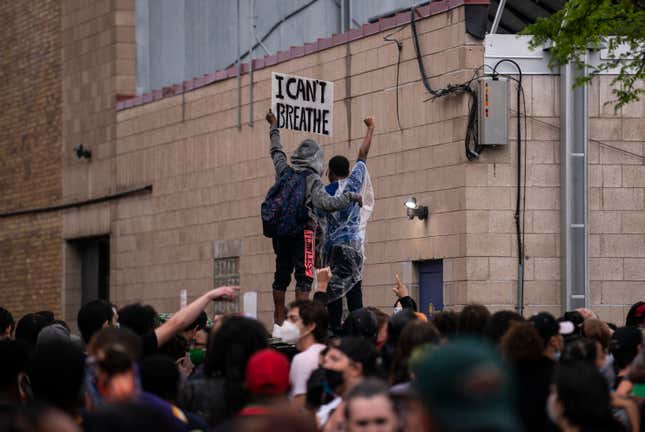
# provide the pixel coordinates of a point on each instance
(267, 373)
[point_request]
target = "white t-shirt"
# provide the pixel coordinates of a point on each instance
(301, 367)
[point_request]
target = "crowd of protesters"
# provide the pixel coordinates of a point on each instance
(133, 369)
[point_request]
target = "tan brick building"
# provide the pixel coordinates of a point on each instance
(31, 70)
(200, 224)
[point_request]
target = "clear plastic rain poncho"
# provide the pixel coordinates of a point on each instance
(345, 234)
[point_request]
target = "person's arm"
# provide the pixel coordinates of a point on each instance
(184, 317)
(298, 377)
(631, 409)
(323, 276)
(277, 153)
(401, 291)
(320, 199)
(364, 149)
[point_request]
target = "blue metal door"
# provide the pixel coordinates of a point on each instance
(430, 286)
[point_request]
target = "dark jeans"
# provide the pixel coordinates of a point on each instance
(335, 308)
(346, 264)
(294, 254)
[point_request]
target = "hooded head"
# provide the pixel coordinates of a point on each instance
(308, 155)
(53, 333)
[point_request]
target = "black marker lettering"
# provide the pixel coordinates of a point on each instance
(325, 122)
(309, 111)
(303, 120)
(279, 95)
(311, 91)
(322, 84)
(301, 90)
(316, 126)
(280, 114)
(296, 123)
(289, 82)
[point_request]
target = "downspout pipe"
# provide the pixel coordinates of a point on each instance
(251, 63)
(239, 72)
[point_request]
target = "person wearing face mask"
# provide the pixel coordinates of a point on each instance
(403, 299)
(306, 328)
(551, 333)
(197, 352)
(356, 359)
(323, 389)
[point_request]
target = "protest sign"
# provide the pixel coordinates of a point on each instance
(302, 104)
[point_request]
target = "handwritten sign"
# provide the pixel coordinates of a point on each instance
(302, 104)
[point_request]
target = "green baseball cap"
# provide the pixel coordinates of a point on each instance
(638, 390)
(464, 386)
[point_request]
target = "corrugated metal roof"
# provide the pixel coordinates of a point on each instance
(400, 18)
(519, 13)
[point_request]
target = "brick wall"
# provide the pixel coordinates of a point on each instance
(64, 66)
(99, 54)
(98, 64)
(30, 166)
(210, 177)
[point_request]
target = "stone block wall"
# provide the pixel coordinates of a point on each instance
(616, 202)
(66, 65)
(210, 178)
(616, 206)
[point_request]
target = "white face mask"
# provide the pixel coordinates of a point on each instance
(289, 333)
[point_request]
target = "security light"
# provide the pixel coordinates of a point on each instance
(82, 152)
(414, 209)
(411, 203)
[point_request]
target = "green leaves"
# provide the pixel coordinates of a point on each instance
(593, 24)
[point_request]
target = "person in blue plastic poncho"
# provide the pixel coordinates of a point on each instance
(345, 231)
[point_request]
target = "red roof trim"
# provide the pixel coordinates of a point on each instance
(336, 39)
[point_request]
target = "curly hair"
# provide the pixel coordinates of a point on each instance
(231, 346)
(522, 343)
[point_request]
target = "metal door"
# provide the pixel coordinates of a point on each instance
(430, 286)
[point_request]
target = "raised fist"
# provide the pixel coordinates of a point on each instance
(270, 117)
(370, 122)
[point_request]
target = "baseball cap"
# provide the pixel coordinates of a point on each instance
(547, 326)
(267, 373)
(360, 350)
(361, 322)
(636, 314)
(464, 385)
(626, 339)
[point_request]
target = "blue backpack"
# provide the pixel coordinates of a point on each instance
(283, 211)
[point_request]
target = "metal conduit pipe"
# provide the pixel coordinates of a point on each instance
(239, 72)
(251, 63)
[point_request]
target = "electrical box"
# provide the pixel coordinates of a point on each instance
(493, 111)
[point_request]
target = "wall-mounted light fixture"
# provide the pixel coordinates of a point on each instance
(415, 209)
(82, 152)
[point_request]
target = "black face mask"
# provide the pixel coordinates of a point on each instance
(334, 379)
(321, 386)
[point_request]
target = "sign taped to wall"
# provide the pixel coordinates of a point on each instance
(302, 104)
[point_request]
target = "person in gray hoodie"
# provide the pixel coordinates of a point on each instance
(295, 254)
